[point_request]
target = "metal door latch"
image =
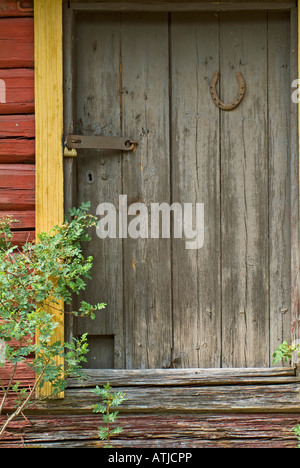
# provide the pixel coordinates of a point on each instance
(74, 142)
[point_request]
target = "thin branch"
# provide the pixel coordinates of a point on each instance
(6, 391)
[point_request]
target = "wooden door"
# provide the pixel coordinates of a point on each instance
(147, 76)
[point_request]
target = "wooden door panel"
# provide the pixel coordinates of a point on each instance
(196, 179)
(99, 173)
(146, 76)
(244, 201)
(146, 179)
(280, 183)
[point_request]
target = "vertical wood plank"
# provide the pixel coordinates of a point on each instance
(49, 126)
(195, 179)
(69, 164)
(244, 208)
(295, 181)
(279, 177)
(146, 179)
(98, 113)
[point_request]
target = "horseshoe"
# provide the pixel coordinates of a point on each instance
(233, 104)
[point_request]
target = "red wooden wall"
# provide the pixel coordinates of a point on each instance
(17, 146)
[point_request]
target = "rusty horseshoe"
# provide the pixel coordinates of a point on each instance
(233, 104)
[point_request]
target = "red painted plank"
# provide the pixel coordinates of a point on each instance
(17, 91)
(17, 151)
(17, 187)
(26, 219)
(23, 374)
(21, 237)
(17, 176)
(10, 8)
(17, 199)
(17, 126)
(16, 43)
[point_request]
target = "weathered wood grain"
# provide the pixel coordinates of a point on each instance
(195, 163)
(294, 171)
(283, 398)
(17, 187)
(22, 237)
(26, 219)
(17, 150)
(16, 43)
(159, 5)
(97, 112)
(244, 204)
(142, 431)
(279, 179)
(17, 126)
(181, 377)
(18, 91)
(20, 176)
(215, 306)
(24, 375)
(146, 179)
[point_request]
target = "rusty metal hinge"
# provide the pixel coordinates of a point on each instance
(74, 142)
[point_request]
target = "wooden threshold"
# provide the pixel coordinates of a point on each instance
(183, 377)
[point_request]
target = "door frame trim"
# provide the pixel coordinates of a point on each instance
(48, 51)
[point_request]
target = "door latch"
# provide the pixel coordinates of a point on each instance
(74, 142)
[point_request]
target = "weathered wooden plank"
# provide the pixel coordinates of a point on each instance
(244, 180)
(98, 112)
(281, 398)
(16, 43)
(279, 178)
(17, 91)
(196, 179)
(26, 219)
(70, 164)
(146, 179)
(158, 5)
(23, 231)
(22, 237)
(294, 170)
(17, 126)
(11, 199)
(178, 377)
(139, 431)
(24, 375)
(183, 3)
(14, 151)
(159, 444)
(17, 187)
(18, 176)
(10, 8)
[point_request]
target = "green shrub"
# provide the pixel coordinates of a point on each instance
(55, 268)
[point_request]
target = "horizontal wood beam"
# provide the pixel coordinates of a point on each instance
(189, 6)
(181, 377)
(280, 398)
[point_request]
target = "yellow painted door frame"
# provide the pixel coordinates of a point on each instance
(49, 127)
